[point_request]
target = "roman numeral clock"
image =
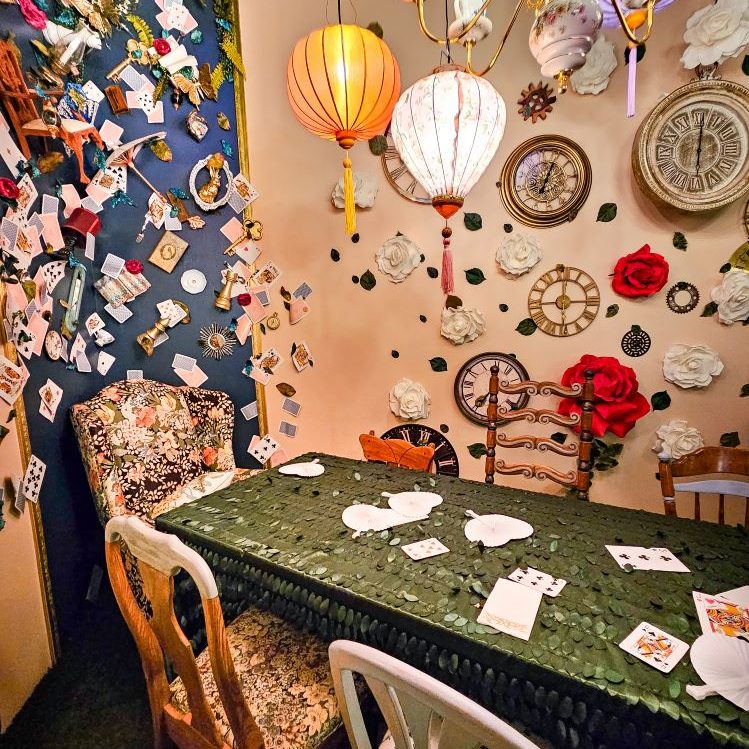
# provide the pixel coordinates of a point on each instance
(692, 151)
(445, 458)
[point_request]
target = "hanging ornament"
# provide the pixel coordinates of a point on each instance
(636, 342)
(682, 297)
(535, 102)
(342, 83)
(216, 341)
(447, 128)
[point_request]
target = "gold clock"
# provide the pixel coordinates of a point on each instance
(545, 181)
(564, 301)
(692, 150)
(400, 179)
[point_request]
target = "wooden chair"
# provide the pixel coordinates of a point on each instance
(421, 712)
(707, 461)
(259, 679)
(579, 479)
(396, 452)
(20, 103)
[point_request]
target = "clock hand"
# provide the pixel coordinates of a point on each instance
(699, 144)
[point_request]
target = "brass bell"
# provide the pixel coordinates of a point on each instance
(146, 340)
(223, 298)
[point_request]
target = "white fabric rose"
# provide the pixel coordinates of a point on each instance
(716, 32)
(409, 400)
(365, 191)
(518, 253)
(691, 366)
(600, 62)
(398, 257)
(732, 297)
(462, 324)
(675, 440)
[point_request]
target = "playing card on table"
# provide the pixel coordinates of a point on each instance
(288, 429)
(50, 204)
(637, 557)
(104, 362)
(94, 323)
(532, 578)
(664, 561)
(112, 265)
(53, 273)
(430, 547)
(654, 646)
(134, 374)
(193, 377)
(120, 313)
(181, 361)
(255, 311)
(262, 449)
(50, 395)
(269, 361)
(249, 411)
(511, 608)
(721, 617)
(32, 479)
(267, 275)
(263, 296)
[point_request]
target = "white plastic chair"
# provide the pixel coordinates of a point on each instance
(421, 712)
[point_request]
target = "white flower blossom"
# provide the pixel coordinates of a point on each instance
(365, 191)
(732, 297)
(398, 257)
(600, 62)
(716, 32)
(518, 253)
(409, 400)
(462, 324)
(675, 440)
(691, 366)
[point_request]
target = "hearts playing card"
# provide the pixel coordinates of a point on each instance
(532, 578)
(431, 547)
(655, 647)
(721, 617)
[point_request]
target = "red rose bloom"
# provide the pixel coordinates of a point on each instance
(133, 266)
(244, 299)
(617, 403)
(8, 189)
(642, 273)
(162, 46)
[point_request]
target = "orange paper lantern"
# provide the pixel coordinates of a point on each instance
(343, 82)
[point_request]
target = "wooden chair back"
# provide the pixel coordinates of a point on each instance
(707, 461)
(421, 712)
(579, 479)
(396, 452)
(160, 556)
(19, 102)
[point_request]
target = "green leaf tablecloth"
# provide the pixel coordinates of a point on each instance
(279, 542)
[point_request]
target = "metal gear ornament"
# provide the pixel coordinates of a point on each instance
(536, 101)
(679, 290)
(636, 342)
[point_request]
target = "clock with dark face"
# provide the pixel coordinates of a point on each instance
(445, 458)
(472, 385)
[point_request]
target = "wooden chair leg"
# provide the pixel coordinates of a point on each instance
(721, 509)
(697, 506)
(746, 513)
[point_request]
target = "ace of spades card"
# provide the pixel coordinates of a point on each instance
(655, 647)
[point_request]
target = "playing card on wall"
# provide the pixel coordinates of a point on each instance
(12, 380)
(32, 479)
(262, 449)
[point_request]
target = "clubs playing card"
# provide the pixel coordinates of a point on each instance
(532, 578)
(32, 479)
(665, 561)
(721, 617)
(655, 647)
(641, 558)
(262, 449)
(431, 547)
(511, 608)
(268, 361)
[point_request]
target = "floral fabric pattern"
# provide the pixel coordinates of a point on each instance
(285, 678)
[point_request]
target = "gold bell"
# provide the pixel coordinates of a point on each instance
(223, 299)
(146, 340)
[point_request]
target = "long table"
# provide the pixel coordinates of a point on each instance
(278, 541)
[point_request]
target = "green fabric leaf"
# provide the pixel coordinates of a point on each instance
(526, 327)
(607, 212)
(725, 268)
(472, 221)
(432, 272)
(680, 241)
(378, 145)
(367, 280)
(660, 401)
(438, 364)
(335, 256)
(744, 391)
(710, 309)
(559, 437)
(477, 449)
(376, 29)
(674, 688)
(612, 310)
(613, 676)
(475, 276)
(507, 228)
(453, 302)
(730, 439)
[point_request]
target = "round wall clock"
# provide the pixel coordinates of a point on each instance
(692, 150)
(445, 457)
(545, 181)
(564, 301)
(399, 177)
(472, 384)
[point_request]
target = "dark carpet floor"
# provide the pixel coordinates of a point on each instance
(95, 697)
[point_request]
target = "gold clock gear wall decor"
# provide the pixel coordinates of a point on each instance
(692, 151)
(545, 181)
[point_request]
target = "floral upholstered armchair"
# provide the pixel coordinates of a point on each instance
(147, 447)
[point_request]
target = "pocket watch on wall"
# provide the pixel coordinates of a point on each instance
(445, 458)
(692, 150)
(404, 183)
(545, 181)
(472, 385)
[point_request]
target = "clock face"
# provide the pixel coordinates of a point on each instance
(692, 151)
(545, 181)
(472, 385)
(445, 458)
(399, 177)
(564, 301)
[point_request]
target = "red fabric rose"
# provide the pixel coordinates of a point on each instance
(8, 189)
(133, 266)
(162, 46)
(641, 273)
(244, 299)
(617, 402)
(34, 16)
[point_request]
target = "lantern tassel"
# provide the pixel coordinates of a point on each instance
(631, 80)
(348, 196)
(448, 280)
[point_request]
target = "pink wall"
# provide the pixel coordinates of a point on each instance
(351, 332)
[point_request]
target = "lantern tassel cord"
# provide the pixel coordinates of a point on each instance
(631, 80)
(348, 196)
(447, 279)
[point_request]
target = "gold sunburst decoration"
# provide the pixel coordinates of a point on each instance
(216, 341)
